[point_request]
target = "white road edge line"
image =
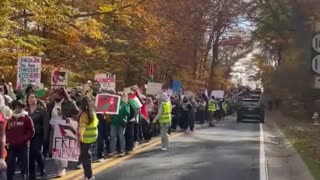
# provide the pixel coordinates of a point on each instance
(262, 159)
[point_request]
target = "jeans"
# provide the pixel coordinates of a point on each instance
(192, 118)
(35, 156)
(129, 137)
(3, 175)
(86, 159)
(22, 153)
(117, 132)
(137, 134)
(201, 116)
(164, 135)
(174, 122)
(103, 137)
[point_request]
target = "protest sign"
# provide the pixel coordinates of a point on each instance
(65, 141)
(169, 92)
(59, 78)
(217, 94)
(29, 71)
(154, 88)
(176, 87)
(107, 104)
(106, 81)
(129, 89)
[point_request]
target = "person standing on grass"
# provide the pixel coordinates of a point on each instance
(164, 118)
(88, 134)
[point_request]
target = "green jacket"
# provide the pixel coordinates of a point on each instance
(124, 112)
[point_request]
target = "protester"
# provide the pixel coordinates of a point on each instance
(118, 126)
(38, 113)
(4, 109)
(88, 134)
(164, 118)
(185, 112)
(202, 110)
(175, 113)
(212, 107)
(193, 112)
(3, 152)
(19, 132)
(61, 110)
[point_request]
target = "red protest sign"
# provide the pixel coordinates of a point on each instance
(107, 104)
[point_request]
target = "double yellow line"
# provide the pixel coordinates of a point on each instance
(99, 167)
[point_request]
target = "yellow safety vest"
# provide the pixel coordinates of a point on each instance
(165, 117)
(90, 135)
(212, 105)
(225, 106)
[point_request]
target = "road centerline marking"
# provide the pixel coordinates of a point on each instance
(262, 156)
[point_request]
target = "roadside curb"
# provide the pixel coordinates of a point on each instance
(108, 163)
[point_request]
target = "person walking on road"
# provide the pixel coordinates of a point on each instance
(88, 134)
(212, 107)
(164, 118)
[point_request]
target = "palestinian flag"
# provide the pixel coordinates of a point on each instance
(68, 132)
(150, 72)
(144, 113)
(134, 101)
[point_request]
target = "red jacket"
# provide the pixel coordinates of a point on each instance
(19, 130)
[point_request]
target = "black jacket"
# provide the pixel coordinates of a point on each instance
(40, 120)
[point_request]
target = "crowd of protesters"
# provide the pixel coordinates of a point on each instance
(27, 124)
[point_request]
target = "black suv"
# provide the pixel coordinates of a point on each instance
(250, 109)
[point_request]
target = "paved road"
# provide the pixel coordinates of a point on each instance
(229, 151)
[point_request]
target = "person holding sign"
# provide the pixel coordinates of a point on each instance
(61, 111)
(88, 134)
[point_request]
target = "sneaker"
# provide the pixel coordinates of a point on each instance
(164, 149)
(100, 160)
(92, 178)
(122, 154)
(62, 173)
(79, 166)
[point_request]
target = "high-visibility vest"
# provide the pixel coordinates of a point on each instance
(165, 117)
(212, 105)
(90, 135)
(224, 106)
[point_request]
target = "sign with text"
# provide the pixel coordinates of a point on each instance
(154, 88)
(29, 71)
(59, 78)
(65, 141)
(106, 81)
(107, 104)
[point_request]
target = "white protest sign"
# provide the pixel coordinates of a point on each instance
(128, 89)
(106, 82)
(65, 141)
(217, 93)
(154, 88)
(29, 71)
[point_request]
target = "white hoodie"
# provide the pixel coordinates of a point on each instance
(5, 109)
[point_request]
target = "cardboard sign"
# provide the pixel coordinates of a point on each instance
(176, 87)
(154, 88)
(217, 94)
(59, 78)
(65, 141)
(29, 71)
(128, 89)
(107, 104)
(106, 81)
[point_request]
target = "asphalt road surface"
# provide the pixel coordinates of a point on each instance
(229, 151)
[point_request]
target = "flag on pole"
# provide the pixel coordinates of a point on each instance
(150, 72)
(144, 113)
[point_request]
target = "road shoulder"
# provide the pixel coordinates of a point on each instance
(283, 161)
